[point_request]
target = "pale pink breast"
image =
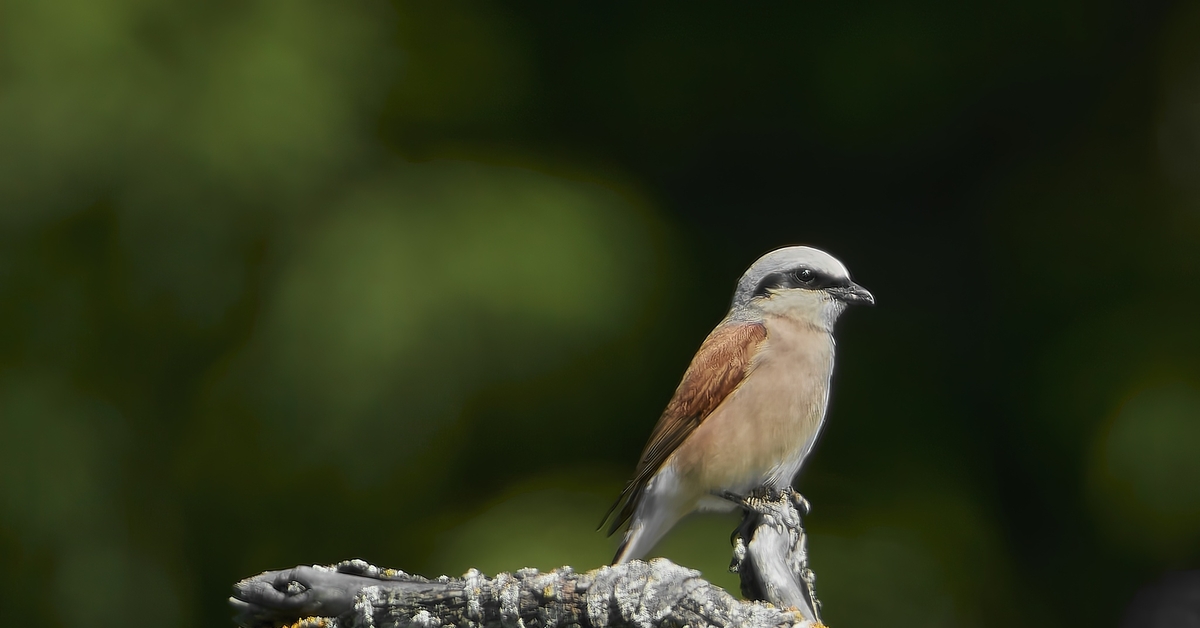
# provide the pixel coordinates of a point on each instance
(765, 428)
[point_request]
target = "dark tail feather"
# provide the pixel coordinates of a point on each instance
(629, 498)
(609, 513)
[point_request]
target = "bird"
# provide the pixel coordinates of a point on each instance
(751, 403)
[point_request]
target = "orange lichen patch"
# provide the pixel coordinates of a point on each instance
(312, 622)
(799, 615)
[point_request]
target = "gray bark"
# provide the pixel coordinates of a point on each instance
(772, 564)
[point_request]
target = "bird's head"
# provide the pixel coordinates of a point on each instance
(799, 281)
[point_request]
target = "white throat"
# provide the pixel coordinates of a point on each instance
(812, 307)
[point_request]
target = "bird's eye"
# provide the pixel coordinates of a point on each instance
(806, 276)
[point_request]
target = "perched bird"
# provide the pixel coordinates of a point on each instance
(750, 404)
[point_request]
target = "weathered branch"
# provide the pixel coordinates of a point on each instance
(774, 565)
(353, 594)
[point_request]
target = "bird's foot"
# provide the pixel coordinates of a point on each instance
(798, 500)
(767, 499)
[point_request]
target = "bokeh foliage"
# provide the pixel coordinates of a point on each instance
(292, 282)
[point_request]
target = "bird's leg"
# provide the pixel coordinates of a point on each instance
(768, 499)
(745, 529)
(730, 496)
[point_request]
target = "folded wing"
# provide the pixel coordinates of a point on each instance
(723, 361)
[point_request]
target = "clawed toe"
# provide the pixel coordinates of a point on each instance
(775, 493)
(761, 499)
(732, 496)
(800, 503)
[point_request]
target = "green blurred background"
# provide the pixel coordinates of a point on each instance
(290, 282)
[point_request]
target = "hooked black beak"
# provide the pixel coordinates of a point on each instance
(852, 293)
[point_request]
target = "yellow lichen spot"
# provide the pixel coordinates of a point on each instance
(548, 592)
